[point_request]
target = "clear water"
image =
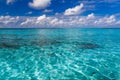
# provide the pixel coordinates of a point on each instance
(60, 54)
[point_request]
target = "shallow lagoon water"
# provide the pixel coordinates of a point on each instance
(60, 54)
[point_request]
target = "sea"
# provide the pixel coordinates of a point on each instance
(60, 54)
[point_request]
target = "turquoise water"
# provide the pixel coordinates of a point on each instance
(60, 54)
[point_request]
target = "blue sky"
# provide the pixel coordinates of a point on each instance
(59, 13)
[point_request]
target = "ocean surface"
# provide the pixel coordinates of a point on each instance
(60, 54)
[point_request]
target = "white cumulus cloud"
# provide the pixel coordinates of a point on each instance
(106, 20)
(43, 21)
(8, 19)
(75, 10)
(47, 11)
(72, 21)
(39, 4)
(91, 16)
(10, 1)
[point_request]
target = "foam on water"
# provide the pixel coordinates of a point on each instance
(60, 54)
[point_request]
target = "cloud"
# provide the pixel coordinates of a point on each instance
(72, 21)
(26, 21)
(30, 12)
(91, 16)
(41, 17)
(44, 21)
(10, 1)
(47, 10)
(75, 10)
(106, 20)
(8, 19)
(39, 4)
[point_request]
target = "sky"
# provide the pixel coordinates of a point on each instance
(59, 13)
